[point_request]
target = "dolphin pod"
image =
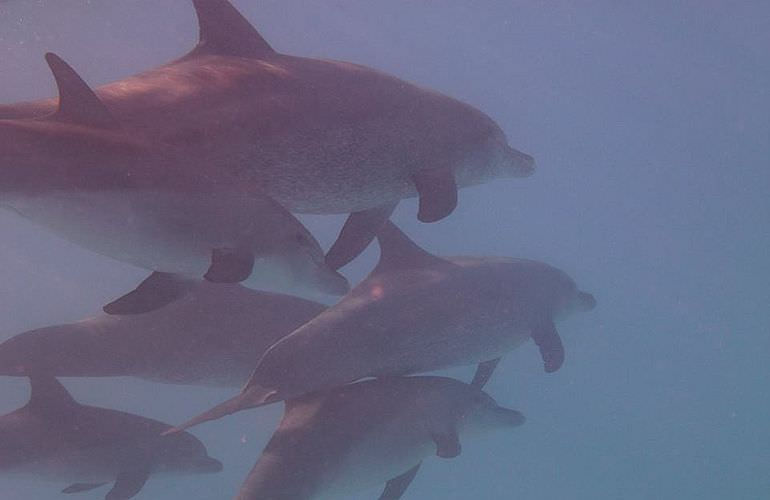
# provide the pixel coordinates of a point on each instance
(54, 435)
(408, 317)
(193, 171)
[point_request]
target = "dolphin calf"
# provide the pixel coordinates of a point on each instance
(55, 437)
(357, 436)
(318, 136)
(213, 336)
(417, 312)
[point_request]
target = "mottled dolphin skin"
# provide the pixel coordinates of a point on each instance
(415, 313)
(318, 136)
(331, 443)
(213, 336)
(149, 171)
(54, 437)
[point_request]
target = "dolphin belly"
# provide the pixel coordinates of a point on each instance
(145, 229)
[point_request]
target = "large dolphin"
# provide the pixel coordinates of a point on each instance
(213, 336)
(361, 435)
(414, 313)
(318, 136)
(54, 437)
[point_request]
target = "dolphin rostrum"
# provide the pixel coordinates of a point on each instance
(368, 433)
(212, 336)
(55, 437)
(417, 312)
(318, 136)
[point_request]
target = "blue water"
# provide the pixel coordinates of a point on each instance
(651, 130)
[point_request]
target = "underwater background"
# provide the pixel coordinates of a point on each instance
(649, 123)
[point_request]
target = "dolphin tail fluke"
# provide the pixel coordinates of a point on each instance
(359, 230)
(252, 397)
(158, 290)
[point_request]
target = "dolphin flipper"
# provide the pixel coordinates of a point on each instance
(396, 487)
(81, 487)
(484, 372)
(551, 349)
(438, 194)
(129, 483)
(359, 230)
(447, 443)
(158, 290)
(230, 265)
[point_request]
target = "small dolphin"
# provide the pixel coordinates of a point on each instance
(54, 437)
(415, 313)
(210, 337)
(357, 436)
(318, 136)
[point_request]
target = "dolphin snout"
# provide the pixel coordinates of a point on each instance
(586, 301)
(521, 164)
(210, 465)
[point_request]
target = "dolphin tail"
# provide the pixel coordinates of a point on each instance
(251, 397)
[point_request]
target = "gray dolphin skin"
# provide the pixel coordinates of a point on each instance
(210, 337)
(55, 437)
(158, 170)
(332, 443)
(415, 313)
(318, 136)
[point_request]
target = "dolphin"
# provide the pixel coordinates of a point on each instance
(331, 443)
(54, 437)
(318, 136)
(417, 312)
(210, 337)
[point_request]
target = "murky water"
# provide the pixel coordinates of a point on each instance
(650, 130)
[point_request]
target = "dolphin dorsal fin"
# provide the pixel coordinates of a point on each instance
(224, 31)
(47, 393)
(397, 251)
(77, 102)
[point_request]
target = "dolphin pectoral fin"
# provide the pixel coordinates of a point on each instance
(158, 290)
(359, 230)
(396, 487)
(230, 265)
(81, 487)
(484, 372)
(438, 194)
(129, 483)
(551, 349)
(447, 443)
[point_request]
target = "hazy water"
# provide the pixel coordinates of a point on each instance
(651, 130)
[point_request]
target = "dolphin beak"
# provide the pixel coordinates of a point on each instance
(210, 466)
(510, 418)
(586, 301)
(521, 164)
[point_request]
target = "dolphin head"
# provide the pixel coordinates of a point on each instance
(485, 153)
(182, 453)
